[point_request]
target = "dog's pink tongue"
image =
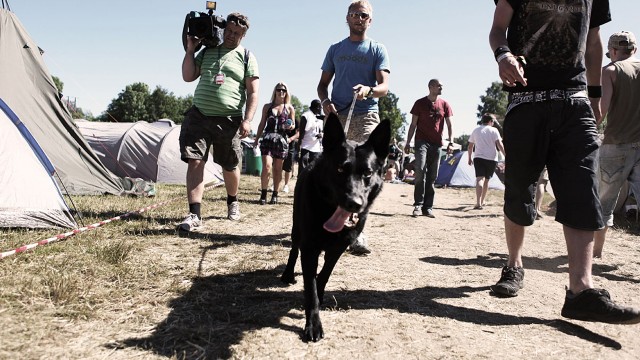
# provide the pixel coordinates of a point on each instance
(337, 220)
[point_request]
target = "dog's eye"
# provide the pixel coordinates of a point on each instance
(340, 169)
(368, 173)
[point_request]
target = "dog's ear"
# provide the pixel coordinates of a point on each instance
(333, 132)
(380, 139)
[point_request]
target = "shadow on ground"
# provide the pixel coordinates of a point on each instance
(218, 310)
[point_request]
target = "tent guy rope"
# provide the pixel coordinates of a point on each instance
(65, 235)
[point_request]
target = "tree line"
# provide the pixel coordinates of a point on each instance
(137, 102)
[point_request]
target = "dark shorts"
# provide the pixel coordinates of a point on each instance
(200, 132)
(287, 165)
(562, 135)
(484, 168)
(275, 145)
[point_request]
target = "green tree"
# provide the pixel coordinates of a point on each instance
(388, 108)
(130, 105)
(59, 84)
(494, 101)
(463, 140)
(162, 104)
(298, 106)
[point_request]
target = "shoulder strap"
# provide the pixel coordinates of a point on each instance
(247, 53)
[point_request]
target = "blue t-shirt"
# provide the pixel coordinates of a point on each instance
(353, 63)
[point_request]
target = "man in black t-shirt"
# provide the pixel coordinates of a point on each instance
(551, 56)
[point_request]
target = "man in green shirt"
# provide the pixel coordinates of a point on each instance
(228, 79)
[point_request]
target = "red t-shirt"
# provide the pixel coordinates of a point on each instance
(431, 116)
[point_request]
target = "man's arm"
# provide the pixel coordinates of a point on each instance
(608, 80)
(190, 71)
(252, 85)
(450, 131)
(380, 90)
(323, 92)
(593, 62)
(470, 151)
(412, 130)
(500, 147)
(509, 68)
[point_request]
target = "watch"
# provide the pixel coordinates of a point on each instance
(370, 93)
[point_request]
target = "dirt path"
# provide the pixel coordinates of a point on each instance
(422, 294)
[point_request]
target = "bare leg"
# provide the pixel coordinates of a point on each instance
(599, 237)
(485, 188)
(479, 185)
(515, 242)
(277, 173)
(231, 181)
(266, 171)
(580, 251)
(195, 181)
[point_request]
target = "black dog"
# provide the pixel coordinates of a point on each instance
(331, 202)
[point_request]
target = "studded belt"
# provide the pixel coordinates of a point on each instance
(517, 98)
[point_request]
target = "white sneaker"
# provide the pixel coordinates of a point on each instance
(190, 223)
(417, 211)
(233, 211)
(360, 247)
(285, 189)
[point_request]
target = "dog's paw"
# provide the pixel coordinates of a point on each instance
(288, 279)
(313, 331)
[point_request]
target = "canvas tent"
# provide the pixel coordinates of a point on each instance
(456, 171)
(29, 197)
(144, 150)
(28, 89)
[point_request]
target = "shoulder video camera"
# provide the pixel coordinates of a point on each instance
(205, 26)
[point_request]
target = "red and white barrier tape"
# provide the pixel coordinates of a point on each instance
(86, 228)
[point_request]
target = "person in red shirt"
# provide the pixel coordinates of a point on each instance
(429, 115)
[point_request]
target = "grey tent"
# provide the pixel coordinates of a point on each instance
(28, 89)
(150, 151)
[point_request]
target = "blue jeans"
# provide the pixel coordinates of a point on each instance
(618, 162)
(426, 169)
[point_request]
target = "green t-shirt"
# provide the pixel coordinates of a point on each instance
(228, 98)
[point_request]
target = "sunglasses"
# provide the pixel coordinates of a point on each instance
(237, 20)
(282, 90)
(361, 15)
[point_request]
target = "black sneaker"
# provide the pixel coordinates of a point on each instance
(596, 305)
(511, 280)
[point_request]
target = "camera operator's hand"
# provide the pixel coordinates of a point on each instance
(192, 43)
(245, 128)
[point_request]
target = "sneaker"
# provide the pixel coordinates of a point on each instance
(511, 280)
(191, 223)
(417, 211)
(596, 305)
(285, 189)
(233, 211)
(360, 246)
(428, 213)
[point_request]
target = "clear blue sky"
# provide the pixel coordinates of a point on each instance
(98, 47)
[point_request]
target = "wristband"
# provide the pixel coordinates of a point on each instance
(501, 50)
(503, 56)
(594, 91)
(324, 101)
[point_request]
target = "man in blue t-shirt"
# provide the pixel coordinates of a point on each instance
(549, 56)
(359, 67)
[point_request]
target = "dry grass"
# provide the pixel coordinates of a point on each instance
(135, 289)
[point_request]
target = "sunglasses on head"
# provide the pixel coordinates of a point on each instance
(361, 15)
(237, 20)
